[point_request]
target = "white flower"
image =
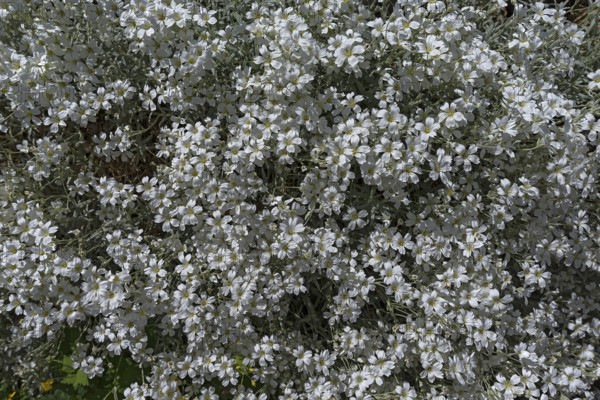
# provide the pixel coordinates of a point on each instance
(594, 80)
(428, 129)
(303, 358)
(361, 380)
(203, 17)
(432, 303)
(451, 117)
(511, 388)
(268, 57)
(147, 98)
(117, 343)
(382, 366)
(92, 366)
(466, 157)
(355, 218)
(177, 15)
(405, 392)
(323, 361)
(432, 370)
(570, 377)
(292, 229)
(145, 28)
(350, 52)
(432, 47)
(43, 234)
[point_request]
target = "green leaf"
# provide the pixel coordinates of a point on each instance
(67, 365)
(76, 379)
(56, 395)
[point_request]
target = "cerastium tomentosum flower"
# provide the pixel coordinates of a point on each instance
(301, 200)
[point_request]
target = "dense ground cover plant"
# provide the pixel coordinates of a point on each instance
(299, 200)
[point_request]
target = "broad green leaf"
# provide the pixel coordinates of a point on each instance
(76, 379)
(67, 365)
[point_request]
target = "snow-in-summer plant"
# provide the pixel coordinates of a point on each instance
(314, 199)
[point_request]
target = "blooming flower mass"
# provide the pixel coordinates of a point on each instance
(298, 200)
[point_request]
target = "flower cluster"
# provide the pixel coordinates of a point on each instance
(314, 199)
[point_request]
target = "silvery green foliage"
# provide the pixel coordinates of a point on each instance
(313, 200)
